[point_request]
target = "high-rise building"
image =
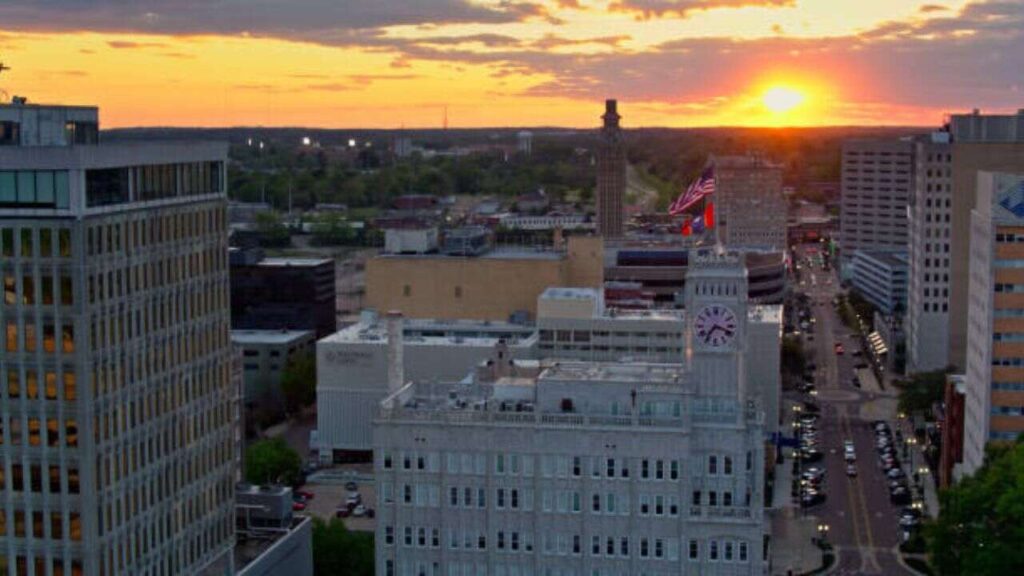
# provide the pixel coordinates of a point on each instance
(611, 175)
(583, 467)
(749, 206)
(119, 411)
(995, 357)
(877, 180)
(986, 142)
(928, 249)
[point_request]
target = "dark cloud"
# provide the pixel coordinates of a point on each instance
(124, 45)
(929, 8)
(307, 20)
(644, 9)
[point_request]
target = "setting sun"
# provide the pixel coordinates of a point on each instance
(781, 99)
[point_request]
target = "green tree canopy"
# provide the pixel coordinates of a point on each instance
(337, 550)
(272, 461)
(980, 529)
(793, 358)
(298, 382)
(922, 391)
(272, 231)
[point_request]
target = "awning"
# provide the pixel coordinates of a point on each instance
(878, 346)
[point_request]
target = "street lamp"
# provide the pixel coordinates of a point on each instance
(823, 532)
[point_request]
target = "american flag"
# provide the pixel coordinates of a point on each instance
(701, 187)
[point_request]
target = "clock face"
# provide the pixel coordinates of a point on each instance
(715, 325)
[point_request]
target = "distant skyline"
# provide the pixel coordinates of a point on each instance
(395, 63)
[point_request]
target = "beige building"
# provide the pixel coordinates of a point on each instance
(749, 206)
(968, 159)
(492, 286)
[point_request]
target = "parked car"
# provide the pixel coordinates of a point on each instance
(900, 496)
(343, 512)
(305, 494)
(359, 511)
(351, 486)
(808, 500)
(839, 348)
(298, 506)
(353, 499)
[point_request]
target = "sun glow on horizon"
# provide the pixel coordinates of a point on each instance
(782, 99)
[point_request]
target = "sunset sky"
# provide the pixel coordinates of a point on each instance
(394, 63)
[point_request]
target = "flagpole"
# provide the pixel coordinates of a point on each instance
(718, 241)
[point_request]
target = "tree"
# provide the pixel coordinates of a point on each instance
(272, 231)
(793, 358)
(272, 461)
(298, 382)
(980, 529)
(922, 391)
(337, 550)
(331, 229)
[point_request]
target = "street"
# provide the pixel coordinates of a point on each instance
(861, 522)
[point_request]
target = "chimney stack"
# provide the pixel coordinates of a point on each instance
(396, 363)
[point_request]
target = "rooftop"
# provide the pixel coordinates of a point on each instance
(448, 332)
(297, 262)
(892, 259)
(268, 336)
(614, 372)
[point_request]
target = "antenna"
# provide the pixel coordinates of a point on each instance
(2, 68)
(446, 117)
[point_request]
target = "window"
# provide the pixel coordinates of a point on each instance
(743, 551)
(673, 473)
(727, 465)
(713, 550)
(694, 550)
(106, 186)
(712, 464)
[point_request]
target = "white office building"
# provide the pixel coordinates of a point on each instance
(881, 278)
(877, 185)
(993, 409)
(930, 225)
(353, 367)
(582, 468)
(119, 412)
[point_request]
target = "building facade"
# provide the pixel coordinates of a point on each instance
(353, 364)
(265, 355)
(495, 285)
(929, 250)
(995, 352)
(877, 183)
(119, 413)
(881, 278)
(611, 175)
(583, 468)
(283, 293)
(750, 208)
(981, 142)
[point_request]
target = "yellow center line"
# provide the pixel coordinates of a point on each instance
(860, 498)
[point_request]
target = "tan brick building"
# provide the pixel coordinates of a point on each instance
(491, 286)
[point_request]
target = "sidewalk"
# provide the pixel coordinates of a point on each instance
(792, 535)
(792, 546)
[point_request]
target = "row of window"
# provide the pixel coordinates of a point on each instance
(50, 292)
(1008, 337)
(130, 235)
(28, 339)
(585, 335)
(30, 479)
(107, 186)
(34, 189)
(1008, 386)
(1008, 410)
(53, 526)
(557, 466)
(1014, 362)
(38, 432)
(1009, 238)
(28, 241)
(27, 386)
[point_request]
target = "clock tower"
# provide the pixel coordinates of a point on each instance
(716, 324)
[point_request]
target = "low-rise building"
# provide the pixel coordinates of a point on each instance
(265, 355)
(881, 278)
(411, 240)
(353, 368)
(494, 285)
(270, 539)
